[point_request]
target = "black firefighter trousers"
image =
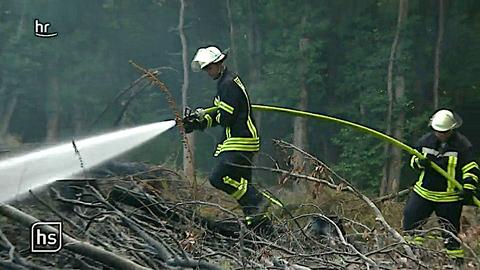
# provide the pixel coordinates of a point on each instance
(237, 181)
(418, 209)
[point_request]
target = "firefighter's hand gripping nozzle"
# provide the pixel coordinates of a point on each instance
(192, 119)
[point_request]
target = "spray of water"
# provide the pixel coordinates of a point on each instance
(36, 169)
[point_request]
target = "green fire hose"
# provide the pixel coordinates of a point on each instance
(370, 131)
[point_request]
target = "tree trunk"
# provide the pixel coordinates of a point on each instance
(11, 104)
(333, 56)
(189, 146)
(254, 64)
(300, 132)
(53, 109)
(232, 36)
(438, 52)
(7, 115)
(254, 47)
(394, 56)
(300, 123)
(395, 165)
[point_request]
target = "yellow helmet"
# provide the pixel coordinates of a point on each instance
(445, 120)
(206, 56)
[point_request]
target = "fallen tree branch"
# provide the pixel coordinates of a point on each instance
(72, 244)
(160, 247)
(369, 202)
(392, 195)
(351, 189)
(344, 241)
(11, 247)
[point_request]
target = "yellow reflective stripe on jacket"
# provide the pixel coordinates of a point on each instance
(420, 178)
(436, 196)
(237, 147)
(209, 120)
(239, 144)
(226, 107)
(452, 164)
(217, 118)
(247, 140)
(473, 176)
(228, 132)
(469, 186)
(243, 149)
(251, 127)
(241, 187)
(239, 83)
(469, 166)
(223, 105)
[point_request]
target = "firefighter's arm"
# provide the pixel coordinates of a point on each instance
(470, 171)
(227, 105)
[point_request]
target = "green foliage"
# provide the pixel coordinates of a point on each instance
(361, 159)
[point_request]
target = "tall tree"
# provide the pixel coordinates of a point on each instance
(254, 53)
(11, 93)
(300, 123)
(233, 45)
(189, 146)
(392, 166)
(438, 51)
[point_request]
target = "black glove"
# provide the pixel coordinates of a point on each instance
(189, 127)
(467, 195)
(424, 162)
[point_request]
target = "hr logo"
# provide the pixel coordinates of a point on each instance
(46, 237)
(41, 29)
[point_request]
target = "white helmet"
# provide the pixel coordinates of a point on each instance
(444, 120)
(206, 56)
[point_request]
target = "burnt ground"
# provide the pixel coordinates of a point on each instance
(150, 217)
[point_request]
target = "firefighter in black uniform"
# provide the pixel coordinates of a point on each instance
(434, 193)
(231, 110)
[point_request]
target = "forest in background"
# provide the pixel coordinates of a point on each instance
(386, 64)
